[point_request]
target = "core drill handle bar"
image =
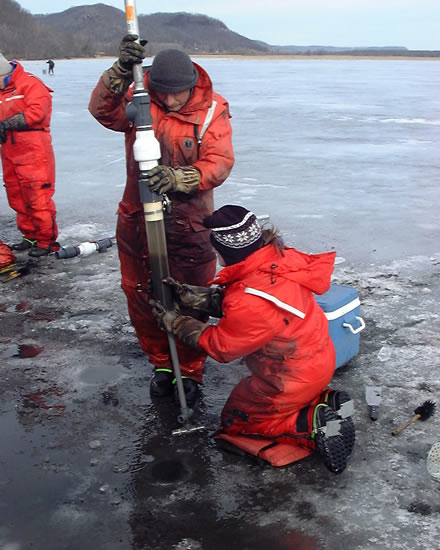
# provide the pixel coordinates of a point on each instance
(146, 151)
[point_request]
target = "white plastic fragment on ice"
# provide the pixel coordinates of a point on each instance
(433, 461)
(384, 353)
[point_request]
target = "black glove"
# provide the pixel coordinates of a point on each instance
(185, 328)
(120, 75)
(164, 179)
(16, 122)
(197, 298)
(131, 52)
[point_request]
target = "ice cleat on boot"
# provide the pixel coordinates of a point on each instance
(25, 244)
(328, 439)
(343, 406)
(162, 383)
(191, 389)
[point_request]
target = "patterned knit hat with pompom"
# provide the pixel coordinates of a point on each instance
(235, 233)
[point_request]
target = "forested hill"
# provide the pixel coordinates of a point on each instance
(96, 30)
(86, 31)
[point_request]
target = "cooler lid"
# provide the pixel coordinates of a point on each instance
(336, 297)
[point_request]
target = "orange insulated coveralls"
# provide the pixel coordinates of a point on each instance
(191, 258)
(27, 156)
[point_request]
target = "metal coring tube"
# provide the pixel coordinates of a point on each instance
(146, 150)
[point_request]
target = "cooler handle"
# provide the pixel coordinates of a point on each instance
(352, 330)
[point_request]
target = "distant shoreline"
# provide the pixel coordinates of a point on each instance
(322, 56)
(275, 57)
(302, 57)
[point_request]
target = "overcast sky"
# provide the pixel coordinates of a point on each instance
(411, 23)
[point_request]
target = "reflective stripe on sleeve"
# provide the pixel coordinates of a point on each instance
(14, 97)
(279, 303)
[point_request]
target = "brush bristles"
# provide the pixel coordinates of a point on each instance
(425, 410)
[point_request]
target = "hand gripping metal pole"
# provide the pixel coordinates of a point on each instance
(146, 151)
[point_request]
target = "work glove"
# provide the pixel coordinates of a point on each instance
(120, 75)
(197, 298)
(16, 122)
(131, 52)
(185, 328)
(164, 179)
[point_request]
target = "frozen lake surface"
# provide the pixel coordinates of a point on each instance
(341, 154)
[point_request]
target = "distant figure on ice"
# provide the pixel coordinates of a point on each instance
(268, 315)
(191, 122)
(51, 66)
(27, 156)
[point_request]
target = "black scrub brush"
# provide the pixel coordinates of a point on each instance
(422, 412)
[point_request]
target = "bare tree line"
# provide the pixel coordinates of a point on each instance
(22, 36)
(73, 33)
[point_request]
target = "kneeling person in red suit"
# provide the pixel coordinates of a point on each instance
(264, 299)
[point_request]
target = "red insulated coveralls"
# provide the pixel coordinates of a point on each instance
(191, 258)
(270, 317)
(27, 156)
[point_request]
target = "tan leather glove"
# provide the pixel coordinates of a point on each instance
(164, 179)
(120, 75)
(197, 298)
(185, 328)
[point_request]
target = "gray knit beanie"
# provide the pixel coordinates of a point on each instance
(172, 71)
(5, 67)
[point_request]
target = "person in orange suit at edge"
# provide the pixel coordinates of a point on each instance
(27, 157)
(191, 123)
(264, 300)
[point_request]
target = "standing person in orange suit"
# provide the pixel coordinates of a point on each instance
(191, 123)
(27, 157)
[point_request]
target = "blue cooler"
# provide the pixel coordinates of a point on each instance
(341, 306)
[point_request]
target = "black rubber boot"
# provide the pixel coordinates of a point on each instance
(343, 406)
(162, 383)
(191, 389)
(25, 244)
(328, 439)
(37, 251)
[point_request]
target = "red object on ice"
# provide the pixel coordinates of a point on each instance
(6, 255)
(277, 454)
